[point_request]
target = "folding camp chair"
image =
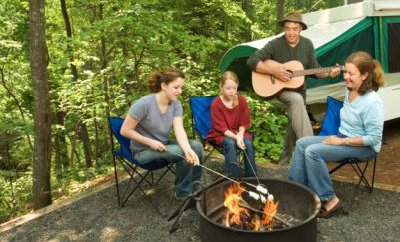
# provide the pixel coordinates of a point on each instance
(140, 176)
(330, 126)
(201, 123)
(201, 120)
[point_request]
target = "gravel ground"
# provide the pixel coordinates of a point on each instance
(372, 217)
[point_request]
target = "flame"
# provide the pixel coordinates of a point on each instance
(256, 223)
(236, 214)
(270, 210)
(232, 198)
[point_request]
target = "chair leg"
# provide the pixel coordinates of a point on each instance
(116, 180)
(361, 172)
(132, 190)
(373, 174)
(137, 182)
(209, 154)
(336, 168)
(168, 168)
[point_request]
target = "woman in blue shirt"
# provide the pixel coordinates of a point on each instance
(360, 132)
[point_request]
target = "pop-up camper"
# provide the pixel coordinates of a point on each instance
(371, 25)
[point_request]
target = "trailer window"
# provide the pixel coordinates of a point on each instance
(393, 31)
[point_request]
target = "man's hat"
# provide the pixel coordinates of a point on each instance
(293, 17)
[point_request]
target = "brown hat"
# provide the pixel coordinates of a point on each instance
(293, 17)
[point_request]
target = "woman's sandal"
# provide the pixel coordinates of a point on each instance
(323, 213)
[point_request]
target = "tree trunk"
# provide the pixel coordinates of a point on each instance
(60, 148)
(280, 7)
(103, 61)
(68, 29)
(248, 9)
(41, 104)
(83, 130)
(84, 136)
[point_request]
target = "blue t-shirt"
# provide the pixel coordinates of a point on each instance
(152, 123)
(363, 117)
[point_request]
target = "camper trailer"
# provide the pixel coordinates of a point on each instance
(370, 25)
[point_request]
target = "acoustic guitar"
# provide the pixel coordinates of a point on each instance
(268, 86)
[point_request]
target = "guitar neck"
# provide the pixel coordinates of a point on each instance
(314, 71)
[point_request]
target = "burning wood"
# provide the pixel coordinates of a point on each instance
(238, 211)
(244, 204)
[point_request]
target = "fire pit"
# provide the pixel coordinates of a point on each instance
(295, 219)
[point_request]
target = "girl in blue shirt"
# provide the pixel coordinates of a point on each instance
(360, 132)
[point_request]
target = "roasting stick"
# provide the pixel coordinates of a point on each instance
(215, 172)
(252, 168)
(260, 186)
(252, 194)
(244, 204)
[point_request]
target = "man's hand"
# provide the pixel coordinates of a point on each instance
(334, 72)
(283, 74)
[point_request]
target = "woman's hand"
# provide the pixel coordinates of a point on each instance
(334, 140)
(157, 145)
(192, 157)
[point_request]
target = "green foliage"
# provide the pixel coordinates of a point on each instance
(15, 193)
(79, 173)
(268, 124)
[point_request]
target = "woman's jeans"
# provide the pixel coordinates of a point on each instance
(186, 173)
(231, 165)
(308, 166)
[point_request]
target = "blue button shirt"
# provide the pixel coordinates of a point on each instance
(364, 117)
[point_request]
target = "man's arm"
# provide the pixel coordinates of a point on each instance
(256, 63)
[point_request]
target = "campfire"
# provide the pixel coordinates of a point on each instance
(240, 214)
(247, 213)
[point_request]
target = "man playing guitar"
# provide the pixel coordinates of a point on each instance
(291, 46)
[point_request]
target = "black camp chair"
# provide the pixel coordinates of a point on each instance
(330, 126)
(140, 176)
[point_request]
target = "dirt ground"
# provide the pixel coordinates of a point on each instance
(388, 163)
(371, 217)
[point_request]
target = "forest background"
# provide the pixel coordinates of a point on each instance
(98, 55)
